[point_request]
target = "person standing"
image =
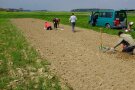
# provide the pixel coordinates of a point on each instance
(94, 20)
(73, 19)
(56, 22)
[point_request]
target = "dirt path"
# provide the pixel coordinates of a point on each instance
(76, 58)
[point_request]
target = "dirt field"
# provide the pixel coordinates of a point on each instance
(75, 57)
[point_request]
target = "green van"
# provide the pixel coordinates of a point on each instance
(109, 18)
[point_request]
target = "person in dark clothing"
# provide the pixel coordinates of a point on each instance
(56, 22)
(94, 20)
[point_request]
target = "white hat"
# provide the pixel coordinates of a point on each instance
(131, 23)
(126, 30)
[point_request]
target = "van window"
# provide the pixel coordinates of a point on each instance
(120, 15)
(109, 14)
(106, 14)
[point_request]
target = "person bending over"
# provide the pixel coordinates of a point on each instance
(127, 41)
(47, 26)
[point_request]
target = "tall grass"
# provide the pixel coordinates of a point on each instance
(21, 67)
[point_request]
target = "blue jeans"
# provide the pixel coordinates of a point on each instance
(73, 26)
(128, 49)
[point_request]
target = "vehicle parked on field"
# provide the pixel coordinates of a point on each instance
(109, 18)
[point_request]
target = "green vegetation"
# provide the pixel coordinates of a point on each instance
(82, 21)
(21, 67)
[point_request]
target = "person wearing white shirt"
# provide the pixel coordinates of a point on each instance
(73, 19)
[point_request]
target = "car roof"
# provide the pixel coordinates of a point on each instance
(106, 10)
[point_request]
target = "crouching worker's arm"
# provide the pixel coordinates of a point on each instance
(117, 44)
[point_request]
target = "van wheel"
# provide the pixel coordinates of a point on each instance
(107, 26)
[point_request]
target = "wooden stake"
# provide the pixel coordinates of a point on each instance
(101, 42)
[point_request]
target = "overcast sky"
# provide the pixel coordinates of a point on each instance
(67, 5)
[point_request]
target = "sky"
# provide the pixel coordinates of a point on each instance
(67, 5)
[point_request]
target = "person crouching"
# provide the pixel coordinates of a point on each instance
(127, 41)
(47, 26)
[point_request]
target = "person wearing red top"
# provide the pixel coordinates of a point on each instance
(47, 26)
(117, 22)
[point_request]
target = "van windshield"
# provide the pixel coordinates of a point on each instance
(121, 15)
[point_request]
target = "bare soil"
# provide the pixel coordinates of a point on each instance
(76, 58)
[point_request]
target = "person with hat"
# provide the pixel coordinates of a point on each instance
(129, 27)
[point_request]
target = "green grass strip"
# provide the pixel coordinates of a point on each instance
(21, 67)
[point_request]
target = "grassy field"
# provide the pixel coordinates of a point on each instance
(21, 67)
(83, 18)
